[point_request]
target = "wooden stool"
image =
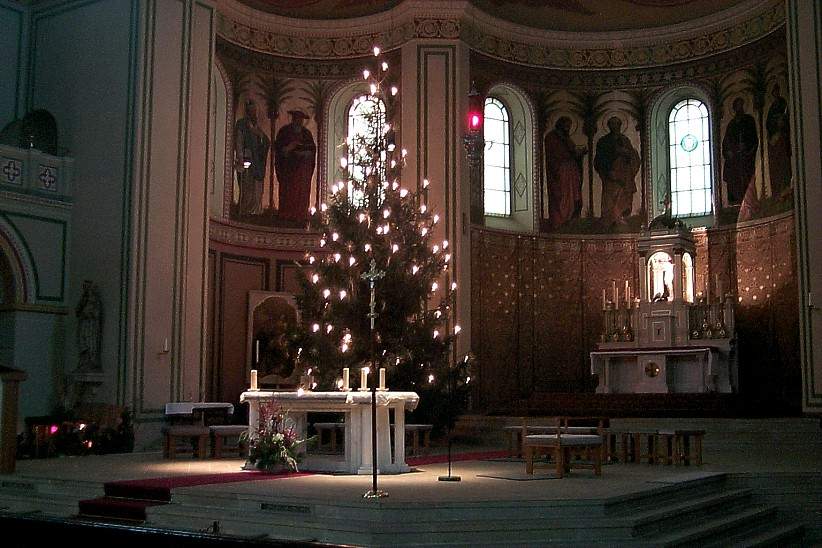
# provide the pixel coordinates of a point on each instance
(638, 445)
(332, 428)
(190, 433)
(414, 430)
(219, 433)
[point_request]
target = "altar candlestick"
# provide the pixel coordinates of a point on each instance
(616, 296)
(253, 379)
(614, 292)
(257, 353)
(382, 378)
(364, 378)
(603, 300)
(345, 385)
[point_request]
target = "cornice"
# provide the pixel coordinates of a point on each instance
(258, 238)
(453, 20)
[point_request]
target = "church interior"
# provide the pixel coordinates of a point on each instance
(619, 192)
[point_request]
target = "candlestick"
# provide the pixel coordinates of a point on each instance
(616, 296)
(603, 300)
(382, 378)
(345, 385)
(257, 354)
(614, 292)
(364, 378)
(254, 380)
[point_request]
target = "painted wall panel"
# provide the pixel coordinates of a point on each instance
(80, 73)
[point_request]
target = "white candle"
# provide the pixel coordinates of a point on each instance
(616, 296)
(345, 385)
(257, 355)
(253, 379)
(616, 300)
(364, 378)
(165, 344)
(603, 299)
(382, 378)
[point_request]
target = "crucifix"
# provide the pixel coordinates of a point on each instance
(371, 277)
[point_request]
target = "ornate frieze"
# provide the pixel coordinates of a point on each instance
(246, 236)
(419, 19)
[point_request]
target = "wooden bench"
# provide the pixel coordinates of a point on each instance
(564, 447)
(515, 434)
(414, 430)
(660, 446)
(332, 428)
(221, 433)
(195, 437)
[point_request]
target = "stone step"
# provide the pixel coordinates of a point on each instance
(670, 517)
(714, 529)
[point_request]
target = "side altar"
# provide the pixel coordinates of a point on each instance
(666, 339)
(356, 405)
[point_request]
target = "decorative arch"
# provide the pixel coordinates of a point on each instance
(660, 165)
(524, 187)
(221, 167)
(17, 274)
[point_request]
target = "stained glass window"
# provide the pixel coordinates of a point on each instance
(689, 152)
(497, 159)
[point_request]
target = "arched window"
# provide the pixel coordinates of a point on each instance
(689, 157)
(497, 159)
(681, 150)
(366, 118)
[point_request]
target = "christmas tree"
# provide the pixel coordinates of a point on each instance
(372, 222)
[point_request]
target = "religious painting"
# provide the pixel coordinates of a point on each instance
(592, 180)
(272, 318)
(755, 143)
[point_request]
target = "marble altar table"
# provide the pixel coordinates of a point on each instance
(356, 405)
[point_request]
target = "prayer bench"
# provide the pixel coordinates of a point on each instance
(564, 447)
(570, 425)
(189, 427)
(220, 433)
(660, 446)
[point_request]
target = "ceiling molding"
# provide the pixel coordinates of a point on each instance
(459, 20)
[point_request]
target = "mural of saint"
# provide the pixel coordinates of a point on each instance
(563, 173)
(779, 144)
(295, 153)
(739, 152)
(251, 148)
(617, 163)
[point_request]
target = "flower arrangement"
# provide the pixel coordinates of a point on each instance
(274, 443)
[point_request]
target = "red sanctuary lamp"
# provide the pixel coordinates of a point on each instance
(473, 138)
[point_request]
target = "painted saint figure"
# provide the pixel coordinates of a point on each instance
(89, 313)
(295, 152)
(617, 163)
(563, 173)
(779, 145)
(739, 152)
(250, 152)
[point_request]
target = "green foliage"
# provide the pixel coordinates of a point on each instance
(372, 219)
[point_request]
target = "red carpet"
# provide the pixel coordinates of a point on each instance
(439, 459)
(128, 499)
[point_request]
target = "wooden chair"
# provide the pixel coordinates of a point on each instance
(564, 447)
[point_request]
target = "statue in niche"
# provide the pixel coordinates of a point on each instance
(739, 148)
(250, 153)
(617, 162)
(89, 313)
(295, 159)
(779, 145)
(563, 173)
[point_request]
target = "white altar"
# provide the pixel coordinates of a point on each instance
(356, 405)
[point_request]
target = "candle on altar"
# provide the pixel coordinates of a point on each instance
(604, 302)
(253, 379)
(345, 385)
(719, 289)
(627, 294)
(364, 378)
(382, 378)
(616, 296)
(614, 292)
(257, 352)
